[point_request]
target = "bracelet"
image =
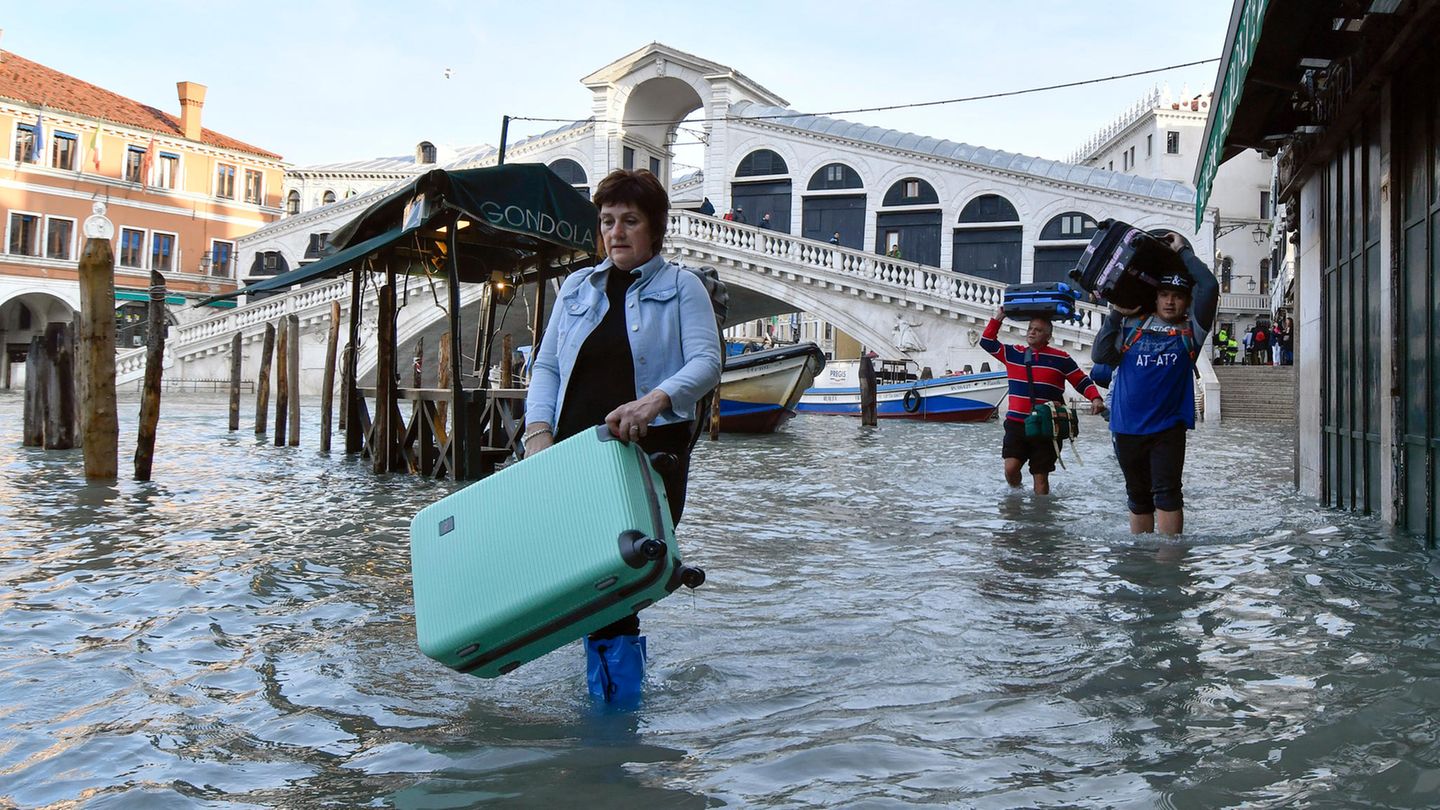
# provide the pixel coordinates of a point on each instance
(536, 432)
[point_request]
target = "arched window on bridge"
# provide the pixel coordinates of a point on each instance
(329, 197)
(838, 208)
(292, 202)
(1063, 241)
(425, 153)
(751, 200)
(913, 234)
(987, 240)
(572, 173)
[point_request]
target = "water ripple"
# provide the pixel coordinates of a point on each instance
(885, 624)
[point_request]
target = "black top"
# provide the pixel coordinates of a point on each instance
(603, 378)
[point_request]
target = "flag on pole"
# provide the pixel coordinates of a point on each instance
(146, 162)
(37, 148)
(95, 147)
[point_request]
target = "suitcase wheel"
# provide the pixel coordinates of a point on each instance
(664, 463)
(636, 549)
(692, 577)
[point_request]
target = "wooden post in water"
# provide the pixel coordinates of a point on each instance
(101, 437)
(59, 388)
(154, 370)
(327, 393)
(262, 384)
(715, 415)
(384, 382)
(235, 382)
(443, 381)
(35, 393)
(282, 381)
(293, 323)
(867, 392)
(354, 432)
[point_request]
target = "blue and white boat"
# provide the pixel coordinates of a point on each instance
(954, 398)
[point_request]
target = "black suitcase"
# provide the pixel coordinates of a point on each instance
(1055, 300)
(1123, 265)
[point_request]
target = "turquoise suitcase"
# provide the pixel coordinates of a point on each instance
(542, 553)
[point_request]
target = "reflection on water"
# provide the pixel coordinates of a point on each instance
(885, 622)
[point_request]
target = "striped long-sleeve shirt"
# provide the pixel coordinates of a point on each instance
(1050, 368)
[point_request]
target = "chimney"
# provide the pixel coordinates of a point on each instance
(192, 98)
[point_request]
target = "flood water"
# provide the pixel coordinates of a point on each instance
(885, 624)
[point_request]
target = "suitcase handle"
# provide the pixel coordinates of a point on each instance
(636, 549)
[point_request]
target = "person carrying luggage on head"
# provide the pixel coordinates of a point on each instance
(1152, 396)
(1037, 373)
(632, 344)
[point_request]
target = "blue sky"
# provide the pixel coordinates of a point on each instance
(327, 80)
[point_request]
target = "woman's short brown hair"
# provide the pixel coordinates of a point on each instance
(641, 189)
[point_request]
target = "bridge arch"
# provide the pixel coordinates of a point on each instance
(912, 234)
(760, 184)
(987, 239)
(1060, 245)
(834, 205)
(650, 113)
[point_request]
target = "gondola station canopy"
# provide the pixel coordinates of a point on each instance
(518, 219)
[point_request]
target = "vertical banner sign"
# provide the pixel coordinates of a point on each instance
(1222, 112)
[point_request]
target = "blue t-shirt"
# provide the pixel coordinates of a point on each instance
(1154, 386)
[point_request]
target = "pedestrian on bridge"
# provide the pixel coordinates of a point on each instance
(1152, 396)
(1037, 373)
(632, 344)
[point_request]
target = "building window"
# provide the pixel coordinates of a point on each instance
(834, 173)
(132, 247)
(162, 252)
(63, 149)
(655, 166)
(427, 152)
(1124, 160)
(912, 189)
(1172, 142)
(59, 238)
(134, 162)
(1111, 166)
(25, 143)
(24, 234)
(328, 198)
(1149, 145)
(253, 189)
(270, 261)
(222, 258)
(1132, 157)
(292, 202)
(167, 170)
(1072, 225)
(629, 158)
(225, 181)
(1265, 212)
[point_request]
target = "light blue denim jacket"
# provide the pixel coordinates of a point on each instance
(674, 341)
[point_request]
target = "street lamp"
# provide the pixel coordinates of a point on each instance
(1261, 234)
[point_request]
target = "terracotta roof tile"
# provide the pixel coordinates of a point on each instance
(33, 83)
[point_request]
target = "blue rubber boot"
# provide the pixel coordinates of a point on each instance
(615, 667)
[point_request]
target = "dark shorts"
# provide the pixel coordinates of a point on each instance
(1152, 464)
(1039, 452)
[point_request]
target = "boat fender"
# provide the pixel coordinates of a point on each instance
(911, 402)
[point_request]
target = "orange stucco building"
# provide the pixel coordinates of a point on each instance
(179, 196)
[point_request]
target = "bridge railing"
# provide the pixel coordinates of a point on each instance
(880, 271)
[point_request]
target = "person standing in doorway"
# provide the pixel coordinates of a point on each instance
(740, 216)
(894, 251)
(765, 220)
(1152, 395)
(1037, 372)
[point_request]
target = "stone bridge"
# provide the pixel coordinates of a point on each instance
(899, 309)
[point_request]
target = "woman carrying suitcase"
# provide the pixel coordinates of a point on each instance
(631, 344)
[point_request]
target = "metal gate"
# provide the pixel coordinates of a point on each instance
(1417, 156)
(1350, 302)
